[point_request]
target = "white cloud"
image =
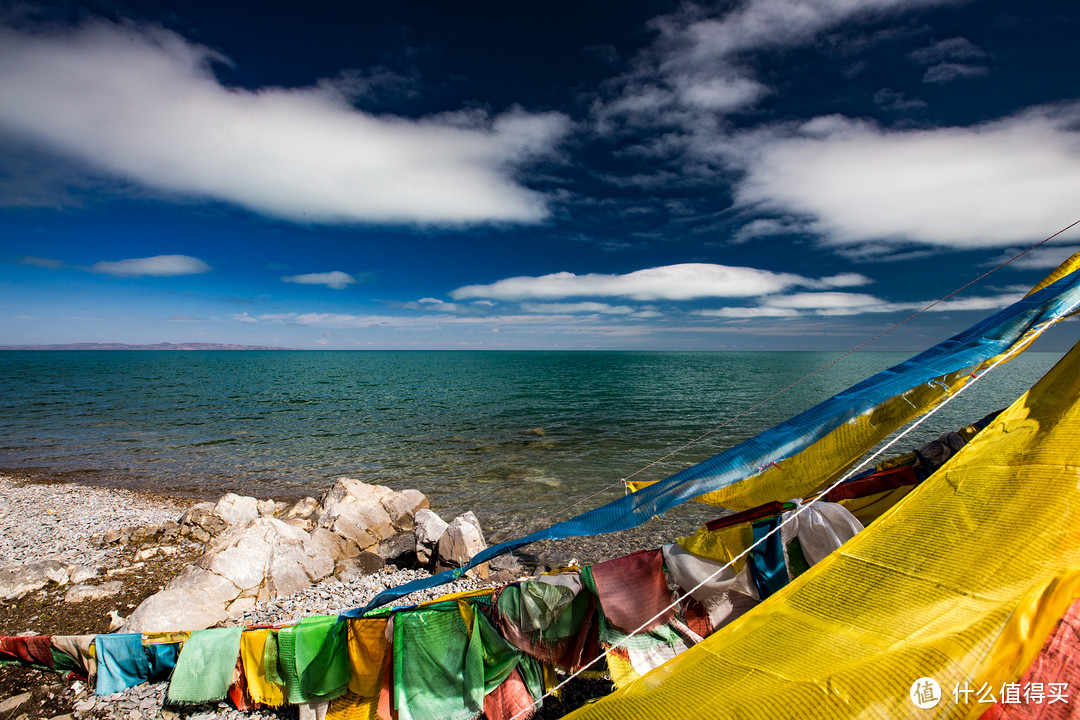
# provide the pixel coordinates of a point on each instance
(823, 301)
(748, 312)
(999, 183)
(699, 64)
(947, 72)
(978, 303)
(890, 99)
(956, 48)
(1047, 257)
(764, 227)
(143, 104)
(686, 281)
(718, 94)
(244, 318)
(157, 266)
(346, 321)
(582, 307)
(826, 304)
(336, 280)
(844, 280)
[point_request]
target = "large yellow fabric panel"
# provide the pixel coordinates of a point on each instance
(961, 581)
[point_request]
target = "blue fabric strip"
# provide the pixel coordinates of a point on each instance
(766, 562)
(123, 661)
(981, 341)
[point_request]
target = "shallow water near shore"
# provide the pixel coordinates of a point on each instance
(517, 437)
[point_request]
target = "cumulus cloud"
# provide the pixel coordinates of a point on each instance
(978, 303)
(955, 48)
(582, 307)
(699, 61)
(830, 303)
(685, 281)
(143, 104)
(336, 280)
(1043, 258)
(748, 312)
(889, 99)
(430, 304)
(999, 183)
(764, 227)
(157, 266)
(346, 321)
(843, 280)
(840, 303)
(947, 72)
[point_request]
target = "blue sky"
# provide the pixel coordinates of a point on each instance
(754, 174)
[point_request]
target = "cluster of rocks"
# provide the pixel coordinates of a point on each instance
(258, 550)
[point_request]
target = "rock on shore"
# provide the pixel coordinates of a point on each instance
(259, 550)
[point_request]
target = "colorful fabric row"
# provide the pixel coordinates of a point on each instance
(452, 659)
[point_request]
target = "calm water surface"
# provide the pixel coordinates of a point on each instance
(512, 435)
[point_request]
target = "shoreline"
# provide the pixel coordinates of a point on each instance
(109, 481)
(680, 521)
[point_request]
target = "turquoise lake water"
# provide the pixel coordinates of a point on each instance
(463, 427)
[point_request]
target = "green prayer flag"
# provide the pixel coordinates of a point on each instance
(438, 672)
(322, 657)
(204, 669)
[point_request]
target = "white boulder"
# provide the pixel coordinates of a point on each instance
(428, 529)
(237, 509)
(462, 540)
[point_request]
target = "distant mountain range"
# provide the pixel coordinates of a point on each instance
(125, 346)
